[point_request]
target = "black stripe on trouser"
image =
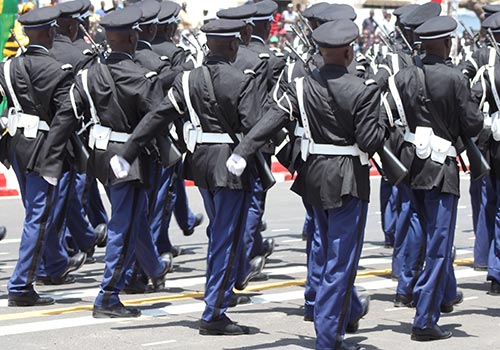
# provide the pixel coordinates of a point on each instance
(352, 277)
(64, 211)
(168, 198)
(440, 274)
(229, 266)
(126, 242)
(41, 233)
(86, 190)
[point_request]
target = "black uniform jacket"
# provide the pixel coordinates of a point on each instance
(177, 56)
(137, 95)
(147, 58)
(485, 139)
(66, 52)
(448, 90)
(275, 65)
(236, 96)
(343, 112)
(50, 83)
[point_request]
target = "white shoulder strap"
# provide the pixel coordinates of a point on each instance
(8, 81)
(291, 67)
(185, 90)
(492, 57)
(299, 82)
(395, 63)
(397, 100)
(387, 107)
(491, 74)
(93, 111)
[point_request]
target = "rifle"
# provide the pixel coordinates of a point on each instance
(304, 41)
(195, 36)
(304, 21)
(13, 34)
(97, 48)
(404, 39)
(291, 48)
(469, 32)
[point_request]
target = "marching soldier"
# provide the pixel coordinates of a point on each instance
(114, 95)
(74, 222)
(32, 105)
(341, 122)
(171, 194)
(434, 118)
(485, 90)
(163, 43)
(219, 101)
(256, 248)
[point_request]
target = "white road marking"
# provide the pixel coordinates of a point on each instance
(292, 240)
(197, 307)
(160, 343)
(371, 248)
(281, 230)
(4, 253)
(11, 240)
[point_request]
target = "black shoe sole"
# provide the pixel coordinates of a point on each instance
(110, 315)
(218, 332)
(416, 337)
(13, 303)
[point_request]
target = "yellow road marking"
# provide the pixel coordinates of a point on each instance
(193, 295)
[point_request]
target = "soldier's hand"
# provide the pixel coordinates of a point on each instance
(120, 166)
(236, 164)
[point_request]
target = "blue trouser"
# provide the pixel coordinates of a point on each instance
(183, 214)
(92, 202)
(483, 201)
(341, 234)
(38, 197)
(147, 256)
(438, 214)
(77, 226)
(253, 237)
(494, 254)
(128, 204)
(227, 210)
(170, 197)
(409, 245)
(389, 208)
(315, 262)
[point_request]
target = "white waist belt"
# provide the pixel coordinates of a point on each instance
(212, 137)
(334, 150)
(410, 137)
(120, 137)
(25, 120)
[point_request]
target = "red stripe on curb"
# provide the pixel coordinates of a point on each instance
(4, 191)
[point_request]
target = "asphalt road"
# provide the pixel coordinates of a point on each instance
(170, 319)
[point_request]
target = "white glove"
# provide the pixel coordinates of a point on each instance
(51, 180)
(236, 164)
(119, 166)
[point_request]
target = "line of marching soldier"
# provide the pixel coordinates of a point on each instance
(325, 114)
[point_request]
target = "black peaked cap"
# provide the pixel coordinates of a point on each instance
(421, 14)
(39, 17)
(244, 12)
(335, 34)
(122, 19)
(436, 28)
(150, 9)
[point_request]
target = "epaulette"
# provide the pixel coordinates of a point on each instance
(264, 55)
(279, 54)
(87, 52)
(151, 74)
(164, 58)
(370, 82)
(67, 66)
(249, 72)
(361, 68)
